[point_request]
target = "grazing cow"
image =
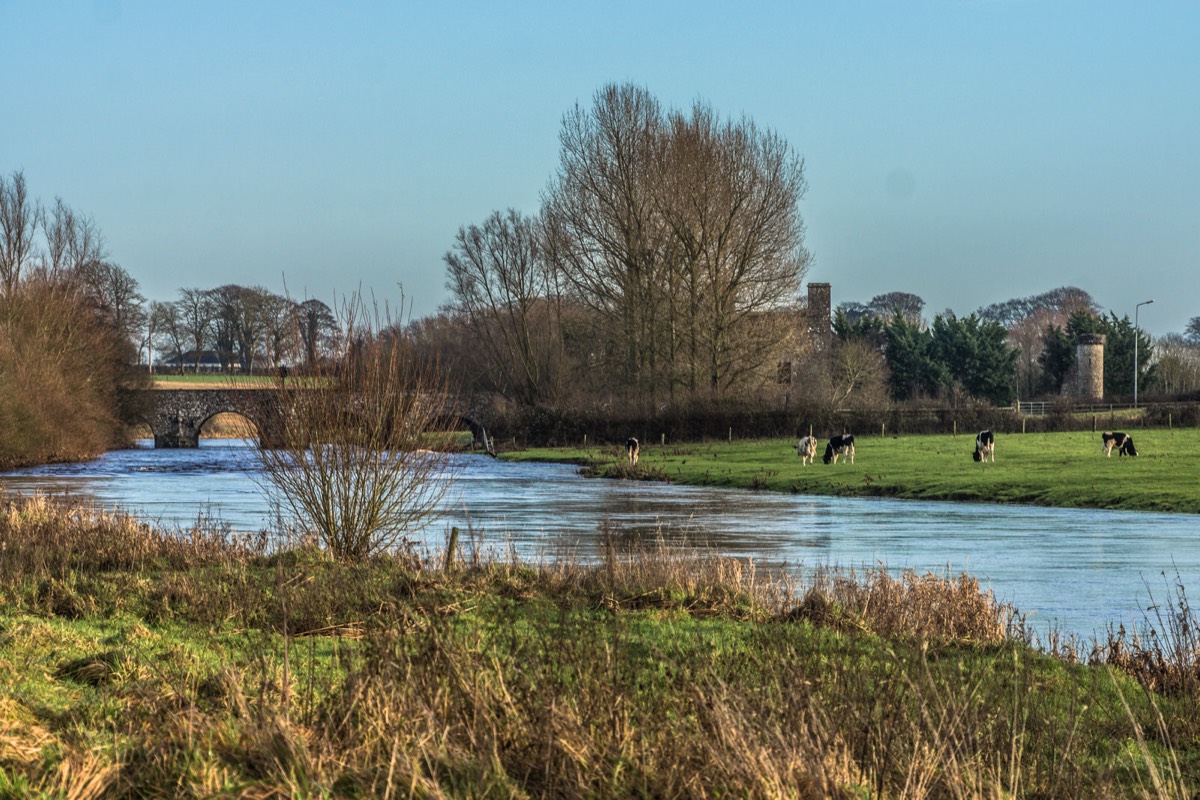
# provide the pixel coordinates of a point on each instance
(631, 450)
(985, 445)
(1123, 442)
(842, 445)
(807, 450)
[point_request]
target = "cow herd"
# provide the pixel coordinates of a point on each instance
(985, 447)
(842, 446)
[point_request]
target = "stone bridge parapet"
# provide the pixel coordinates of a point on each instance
(176, 416)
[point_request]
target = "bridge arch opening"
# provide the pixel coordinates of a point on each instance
(228, 425)
(460, 424)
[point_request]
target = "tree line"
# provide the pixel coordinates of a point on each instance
(663, 268)
(243, 328)
(1019, 348)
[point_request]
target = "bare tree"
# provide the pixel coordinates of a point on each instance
(349, 457)
(85, 245)
(113, 292)
(1064, 300)
(906, 305)
(58, 228)
(196, 313)
(281, 334)
(167, 329)
(1177, 365)
(859, 374)
(318, 330)
(682, 234)
(505, 290)
(240, 317)
(606, 237)
(1191, 333)
(18, 222)
(730, 195)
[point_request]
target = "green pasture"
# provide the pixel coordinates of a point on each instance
(207, 380)
(1048, 469)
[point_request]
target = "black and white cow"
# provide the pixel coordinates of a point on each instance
(1123, 442)
(807, 450)
(985, 446)
(842, 445)
(631, 450)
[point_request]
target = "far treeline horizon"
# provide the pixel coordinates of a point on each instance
(664, 269)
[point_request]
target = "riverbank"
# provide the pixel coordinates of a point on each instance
(151, 664)
(1067, 470)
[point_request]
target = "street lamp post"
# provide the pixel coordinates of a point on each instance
(1136, 335)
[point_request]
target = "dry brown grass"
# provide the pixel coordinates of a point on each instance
(916, 607)
(51, 543)
(1163, 652)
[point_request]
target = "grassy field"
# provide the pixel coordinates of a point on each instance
(208, 381)
(1051, 469)
(140, 663)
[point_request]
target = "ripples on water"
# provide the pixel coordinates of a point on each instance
(1078, 569)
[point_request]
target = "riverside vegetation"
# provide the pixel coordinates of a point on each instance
(1050, 469)
(140, 662)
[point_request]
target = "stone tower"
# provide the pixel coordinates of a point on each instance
(1085, 381)
(820, 315)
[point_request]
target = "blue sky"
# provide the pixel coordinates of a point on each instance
(968, 152)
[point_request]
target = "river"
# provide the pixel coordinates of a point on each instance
(1067, 569)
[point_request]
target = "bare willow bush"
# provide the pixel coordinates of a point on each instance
(61, 374)
(345, 447)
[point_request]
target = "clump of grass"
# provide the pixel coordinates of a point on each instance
(623, 470)
(1163, 652)
(921, 607)
(42, 538)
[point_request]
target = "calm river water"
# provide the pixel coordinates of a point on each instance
(1075, 570)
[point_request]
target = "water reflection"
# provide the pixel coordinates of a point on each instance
(1077, 568)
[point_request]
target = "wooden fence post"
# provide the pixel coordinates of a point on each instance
(448, 566)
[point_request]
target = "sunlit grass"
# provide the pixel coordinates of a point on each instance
(1051, 469)
(210, 381)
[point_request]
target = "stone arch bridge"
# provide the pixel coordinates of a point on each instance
(176, 416)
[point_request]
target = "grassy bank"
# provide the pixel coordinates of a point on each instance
(1052, 469)
(143, 663)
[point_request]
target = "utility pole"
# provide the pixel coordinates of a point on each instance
(1137, 332)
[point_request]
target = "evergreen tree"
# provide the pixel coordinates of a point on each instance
(975, 354)
(909, 353)
(1056, 359)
